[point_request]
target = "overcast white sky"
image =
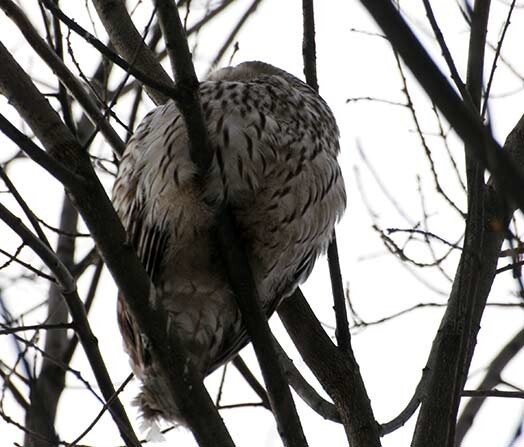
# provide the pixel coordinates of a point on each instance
(350, 64)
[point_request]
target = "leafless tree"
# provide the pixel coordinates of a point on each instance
(70, 116)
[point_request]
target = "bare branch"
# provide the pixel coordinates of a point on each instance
(337, 371)
(482, 394)
(232, 251)
(308, 394)
(18, 396)
(80, 322)
(423, 141)
(63, 73)
(236, 29)
(495, 59)
(491, 379)
(103, 410)
(27, 211)
(508, 178)
(48, 386)
(165, 88)
(129, 43)
(251, 380)
(446, 53)
(34, 152)
(460, 324)
(310, 71)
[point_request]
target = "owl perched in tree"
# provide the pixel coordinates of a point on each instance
(275, 145)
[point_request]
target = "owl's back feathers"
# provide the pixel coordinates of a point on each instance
(275, 144)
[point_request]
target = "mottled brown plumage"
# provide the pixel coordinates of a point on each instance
(275, 144)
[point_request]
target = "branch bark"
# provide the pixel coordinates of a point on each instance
(491, 379)
(130, 44)
(310, 71)
(508, 177)
(90, 199)
(307, 393)
(459, 327)
(62, 72)
(348, 405)
(232, 251)
(46, 390)
(82, 328)
(337, 371)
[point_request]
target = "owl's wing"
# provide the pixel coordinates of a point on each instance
(148, 236)
(235, 340)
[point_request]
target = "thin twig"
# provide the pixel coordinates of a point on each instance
(23, 204)
(36, 327)
(103, 410)
(495, 59)
(493, 393)
(248, 376)
(80, 322)
(446, 53)
(167, 90)
(62, 72)
(508, 179)
(423, 141)
(233, 33)
(491, 379)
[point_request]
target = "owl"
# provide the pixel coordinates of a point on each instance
(275, 145)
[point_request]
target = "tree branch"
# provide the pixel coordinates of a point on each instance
(57, 170)
(252, 381)
(308, 394)
(310, 72)
(233, 253)
(130, 44)
(80, 321)
(459, 327)
(508, 178)
(90, 199)
(337, 371)
(23, 204)
(165, 88)
(46, 389)
(366, 434)
(491, 379)
(62, 72)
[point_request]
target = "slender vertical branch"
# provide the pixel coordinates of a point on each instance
(475, 221)
(446, 54)
(336, 371)
(66, 78)
(232, 251)
(309, 46)
(508, 179)
(46, 389)
(458, 329)
(130, 44)
(310, 71)
(80, 323)
(491, 379)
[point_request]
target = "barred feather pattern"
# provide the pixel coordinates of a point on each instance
(275, 145)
